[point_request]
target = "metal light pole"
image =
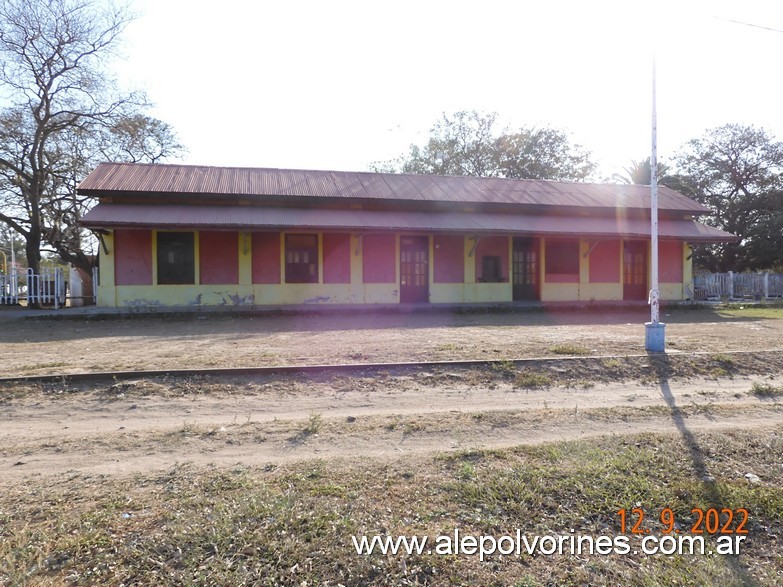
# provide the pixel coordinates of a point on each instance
(655, 332)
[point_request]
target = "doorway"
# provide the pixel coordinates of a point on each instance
(635, 270)
(414, 269)
(524, 269)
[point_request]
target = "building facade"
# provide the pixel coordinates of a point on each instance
(175, 235)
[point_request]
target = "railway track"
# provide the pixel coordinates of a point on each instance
(349, 368)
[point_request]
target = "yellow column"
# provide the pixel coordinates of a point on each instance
(356, 259)
(688, 289)
(245, 243)
(107, 291)
(584, 266)
(197, 259)
(470, 261)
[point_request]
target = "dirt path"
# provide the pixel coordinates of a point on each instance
(38, 346)
(143, 426)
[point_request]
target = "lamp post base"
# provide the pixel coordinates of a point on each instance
(655, 337)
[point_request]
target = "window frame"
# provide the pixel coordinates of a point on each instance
(176, 271)
(496, 262)
(295, 271)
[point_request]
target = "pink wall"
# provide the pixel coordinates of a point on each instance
(605, 262)
(379, 258)
(218, 254)
(266, 257)
(449, 259)
(670, 261)
(337, 258)
(132, 257)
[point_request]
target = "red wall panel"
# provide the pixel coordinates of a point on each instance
(562, 261)
(218, 257)
(266, 257)
(337, 258)
(496, 246)
(670, 261)
(605, 262)
(379, 258)
(449, 259)
(132, 257)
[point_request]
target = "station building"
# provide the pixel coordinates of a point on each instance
(180, 235)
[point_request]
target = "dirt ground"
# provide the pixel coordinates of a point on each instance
(33, 347)
(144, 425)
(150, 425)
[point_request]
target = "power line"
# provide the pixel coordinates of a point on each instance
(750, 24)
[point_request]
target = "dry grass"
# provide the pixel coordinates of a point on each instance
(291, 525)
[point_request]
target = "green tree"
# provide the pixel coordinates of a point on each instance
(470, 143)
(735, 170)
(460, 144)
(542, 153)
(65, 115)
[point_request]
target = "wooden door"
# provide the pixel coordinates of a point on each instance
(414, 269)
(525, 269)
(635, 270)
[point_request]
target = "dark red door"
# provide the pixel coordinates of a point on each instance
(414, 269)
(524, 269)
(635, 270)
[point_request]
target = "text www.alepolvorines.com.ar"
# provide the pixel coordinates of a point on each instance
(517, 544)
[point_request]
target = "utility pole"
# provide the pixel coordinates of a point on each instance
(655, 332)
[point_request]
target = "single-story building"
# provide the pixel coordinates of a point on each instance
(180, 235)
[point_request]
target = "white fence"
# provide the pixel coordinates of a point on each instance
(47, 288)
(9, 288)
(738, 286)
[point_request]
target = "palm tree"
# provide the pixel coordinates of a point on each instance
(639, 173)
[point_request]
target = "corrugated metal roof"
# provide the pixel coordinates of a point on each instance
(120, 179)
(261, 218)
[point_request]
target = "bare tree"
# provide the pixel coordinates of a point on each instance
(66, 115)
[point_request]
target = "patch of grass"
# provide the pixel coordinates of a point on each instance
(766, 390)
(314, 422)
(723, 359)
(411, 427)
(755, 311)
(39, 366)
(568, 349)
(450, 346)
(504, 367)
(532, 380)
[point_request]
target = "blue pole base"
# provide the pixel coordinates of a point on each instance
(655, 337)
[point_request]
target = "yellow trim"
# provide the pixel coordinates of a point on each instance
(687, 271)
(196, 256)
(510, 263)
(357, 266)
(245, 256)
(470, 265)
(584, 261)
(154, 257)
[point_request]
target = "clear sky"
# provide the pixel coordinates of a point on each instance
(340, 84)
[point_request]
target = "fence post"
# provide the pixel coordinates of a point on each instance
(15, 285)
(95, 285)
(731, 285)
(58, 277)
(766, 286)
(32, 288)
